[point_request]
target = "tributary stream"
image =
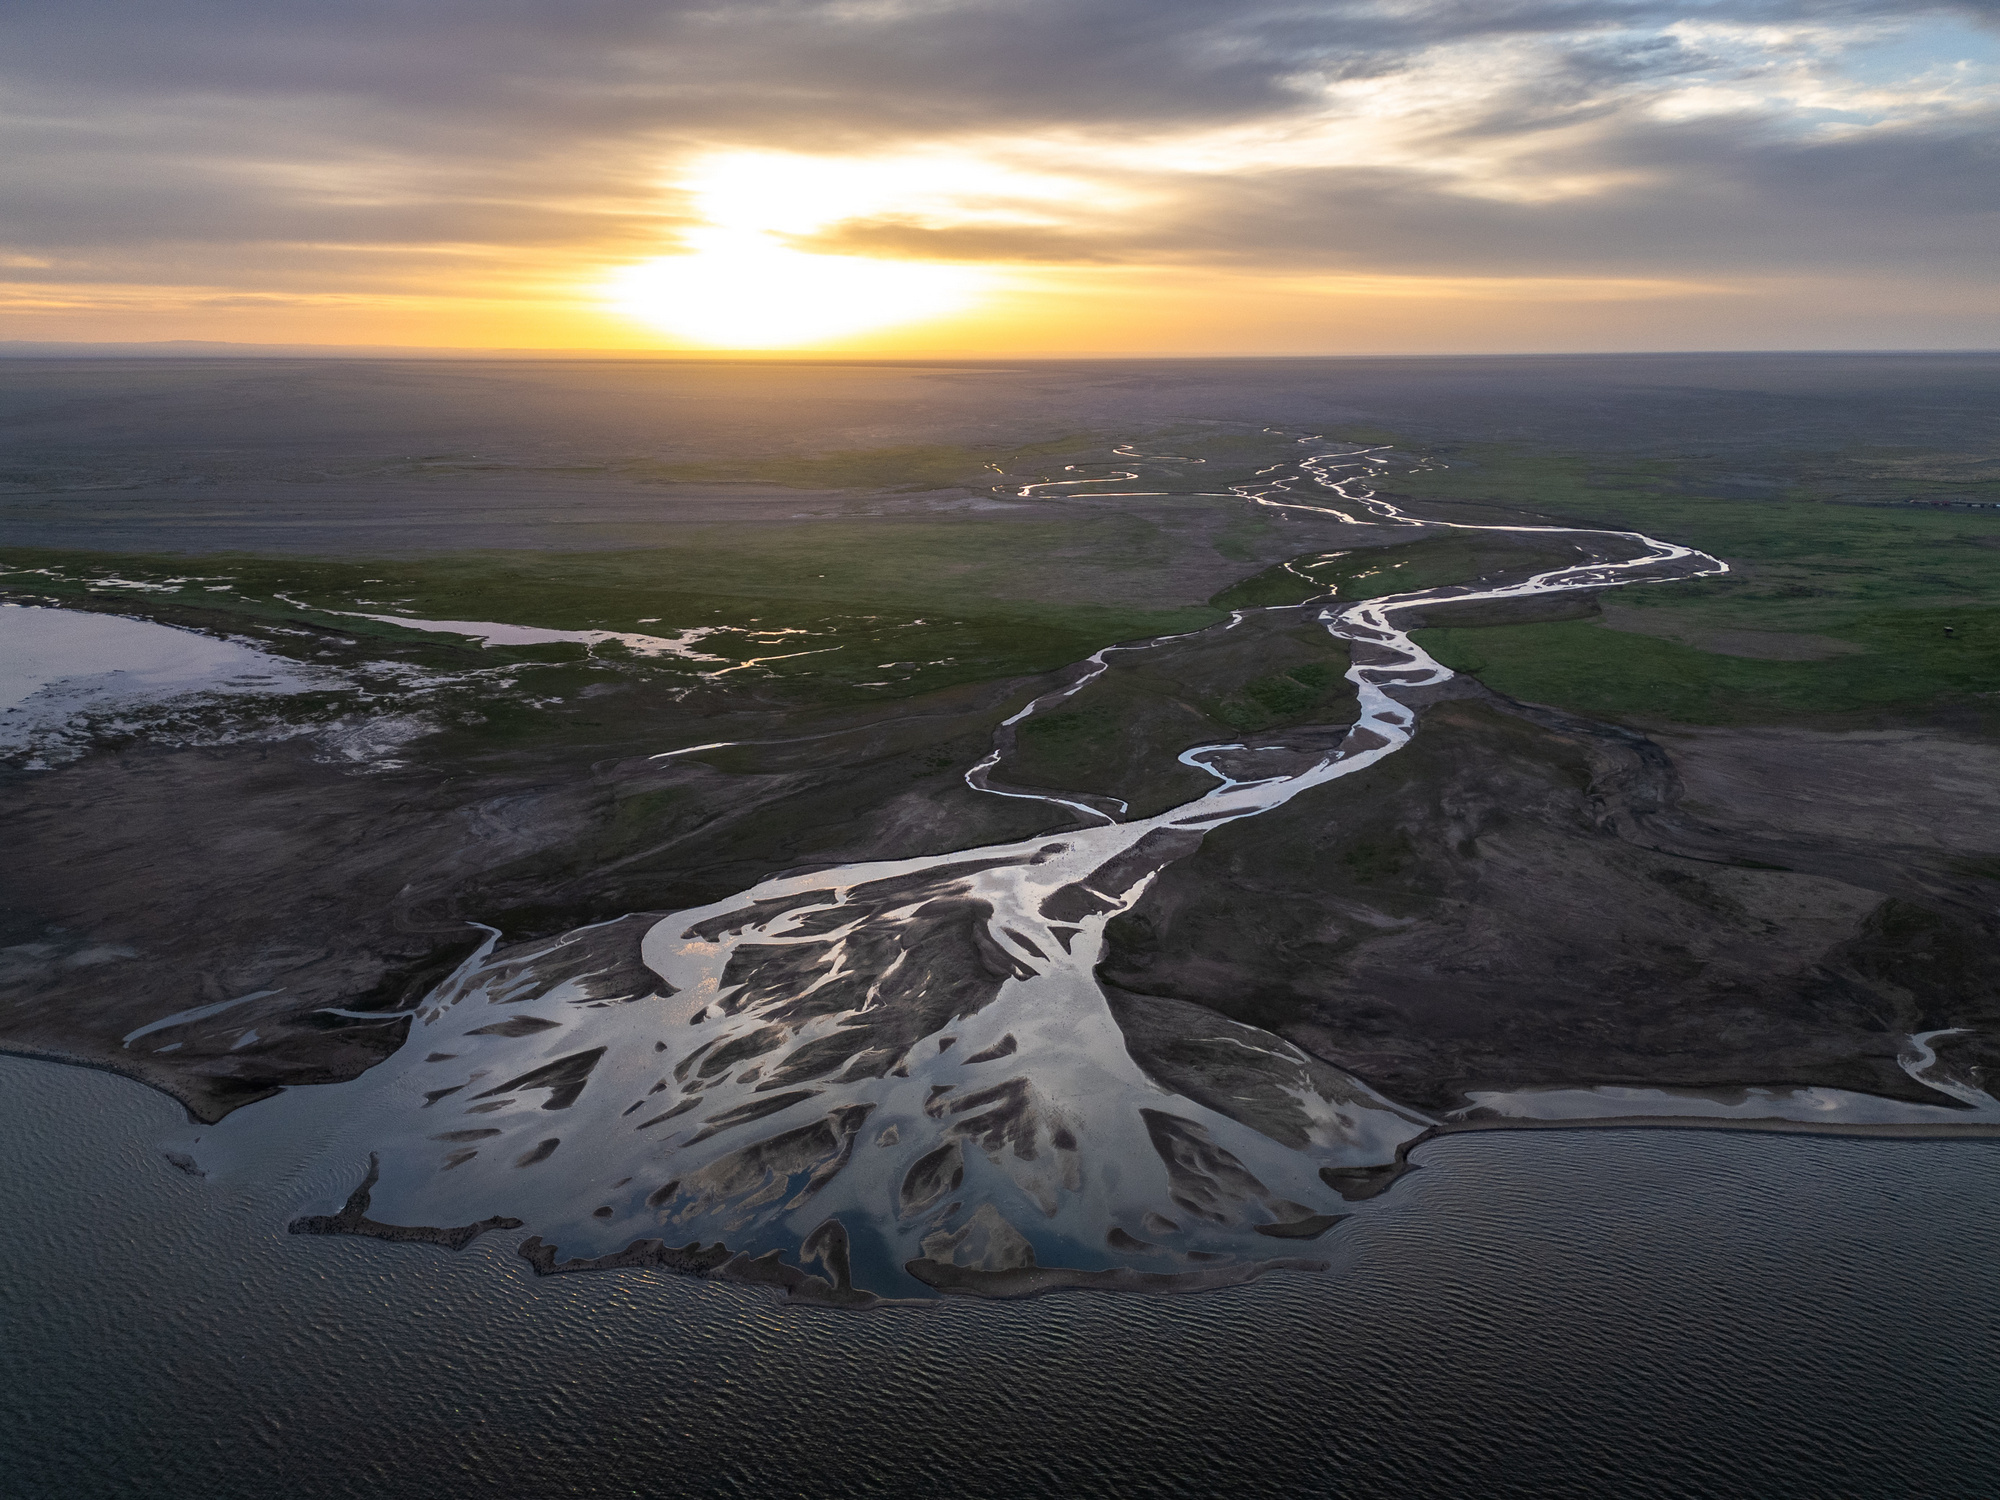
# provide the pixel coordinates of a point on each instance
(901, 1078)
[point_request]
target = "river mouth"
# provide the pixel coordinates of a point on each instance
(1711, 882)
(884, 1077)
(902, 1078)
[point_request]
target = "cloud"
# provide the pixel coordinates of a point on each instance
(907, 239)
(286, 148)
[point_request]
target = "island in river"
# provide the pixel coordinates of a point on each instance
(1042, 852)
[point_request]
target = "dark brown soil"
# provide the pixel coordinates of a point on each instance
(1520, 899)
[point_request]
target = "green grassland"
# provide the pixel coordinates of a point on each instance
(889, 611)
(1910, 666)
(841, 613)
(825, 612)
(1884, 581)
(849, 616)
(1433, 561)
(1121, 734)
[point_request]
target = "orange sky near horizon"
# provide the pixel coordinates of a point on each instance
(1036, 311)
(1452, 186)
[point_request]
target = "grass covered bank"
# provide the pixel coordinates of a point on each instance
(1899, 604)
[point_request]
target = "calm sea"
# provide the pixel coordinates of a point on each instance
(1609, 1313)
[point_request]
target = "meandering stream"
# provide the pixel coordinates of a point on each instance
(902, 1074)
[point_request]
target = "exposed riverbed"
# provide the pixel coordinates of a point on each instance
(1531, 1311)
(901, 1078)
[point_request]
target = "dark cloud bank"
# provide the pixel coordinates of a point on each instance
(258, 144)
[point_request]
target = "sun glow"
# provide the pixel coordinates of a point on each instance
(745, 283)
(745, 290)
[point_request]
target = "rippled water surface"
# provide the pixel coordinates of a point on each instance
(1547, 1313)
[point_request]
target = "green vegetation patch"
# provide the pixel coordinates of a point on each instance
(1434, 561)
(1615, 675)
(1121, 735)
(1314, 691)
(1913, 592)
(833, 611)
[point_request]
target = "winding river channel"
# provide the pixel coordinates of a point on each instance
(900, 1078)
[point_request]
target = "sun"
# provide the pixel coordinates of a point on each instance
(747, 280)
(741, 289)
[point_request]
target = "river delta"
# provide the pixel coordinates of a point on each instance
(1101, 837)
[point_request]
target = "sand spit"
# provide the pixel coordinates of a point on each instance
(353, 1219)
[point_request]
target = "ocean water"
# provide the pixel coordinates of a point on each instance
(1535, 1314)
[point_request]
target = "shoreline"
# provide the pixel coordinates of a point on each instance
(797, 1286)
(15, 1048)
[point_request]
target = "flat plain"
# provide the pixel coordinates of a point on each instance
(1697, 838)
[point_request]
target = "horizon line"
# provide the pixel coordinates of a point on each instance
(234, 349)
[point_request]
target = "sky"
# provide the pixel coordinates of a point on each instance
(1006, 177)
